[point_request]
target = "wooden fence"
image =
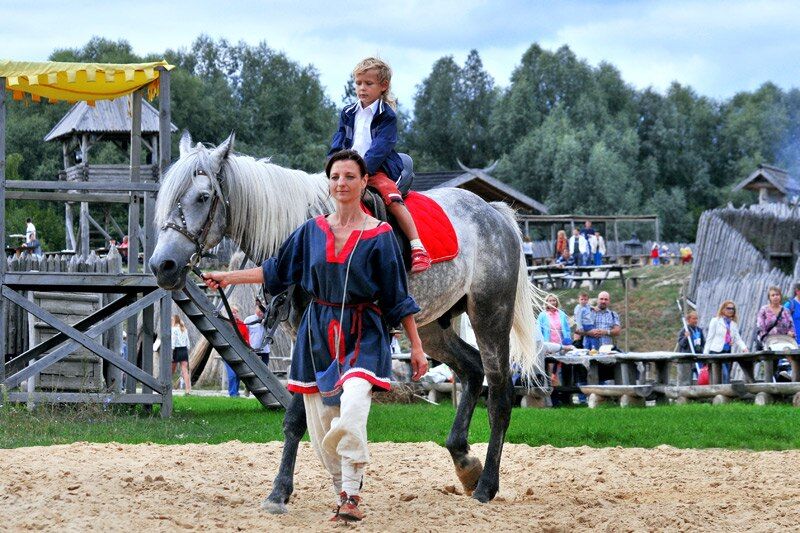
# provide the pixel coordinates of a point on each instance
(545, 249)
(733, 260)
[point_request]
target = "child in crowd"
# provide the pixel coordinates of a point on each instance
(370, 128)
(584, 322)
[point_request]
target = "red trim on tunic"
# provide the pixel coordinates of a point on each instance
(330, 246)
(333, 328)
(302, 390)
(385, 385)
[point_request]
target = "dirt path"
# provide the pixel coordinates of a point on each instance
(411, 487)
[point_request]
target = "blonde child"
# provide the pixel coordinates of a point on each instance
(370, 128)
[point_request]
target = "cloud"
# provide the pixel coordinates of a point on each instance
(717, 47)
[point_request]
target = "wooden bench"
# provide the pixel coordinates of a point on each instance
(627, 395)
(438, 392)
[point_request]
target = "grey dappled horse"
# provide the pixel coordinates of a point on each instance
(258, 204)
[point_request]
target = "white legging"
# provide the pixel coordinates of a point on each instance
(339, 434)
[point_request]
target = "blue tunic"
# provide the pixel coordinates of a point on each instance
(377, 297)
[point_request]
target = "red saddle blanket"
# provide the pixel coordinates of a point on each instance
(435, 229)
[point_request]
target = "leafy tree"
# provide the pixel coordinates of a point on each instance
(434, 132)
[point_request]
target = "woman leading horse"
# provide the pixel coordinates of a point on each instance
(351, 266)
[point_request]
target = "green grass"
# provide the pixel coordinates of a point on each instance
(214, 420)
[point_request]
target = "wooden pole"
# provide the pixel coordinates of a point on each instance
(68, 218)
(3, 304)
(133, 208)
(165, 375)
(164, 122)
(83, 222)
(658, 230)
(616, 238)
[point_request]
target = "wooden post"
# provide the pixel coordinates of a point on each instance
(130, 381)
(133, 208)
(3, 304)
(70, 243)
(83, 222)
(165, 334)
(164, 122)
(658, 231)
(148, 327)
(616, 237)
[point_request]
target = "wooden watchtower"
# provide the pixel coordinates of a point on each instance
(81, 130)
(135, 290)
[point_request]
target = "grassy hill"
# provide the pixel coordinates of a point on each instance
(652, 319)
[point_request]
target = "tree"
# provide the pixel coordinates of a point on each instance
(474, 102)
(434, 131)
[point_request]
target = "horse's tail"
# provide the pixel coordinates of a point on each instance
(527, 355)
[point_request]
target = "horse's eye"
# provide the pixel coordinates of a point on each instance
(204, 196)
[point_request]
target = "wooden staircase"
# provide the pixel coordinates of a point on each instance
(220, 333)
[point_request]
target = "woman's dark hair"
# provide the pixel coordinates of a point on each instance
(346, 155)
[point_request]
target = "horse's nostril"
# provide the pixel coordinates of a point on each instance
(168, 266)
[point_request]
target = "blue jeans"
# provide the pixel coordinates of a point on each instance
(598, 259)
(233, 382)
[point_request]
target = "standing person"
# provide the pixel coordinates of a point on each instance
(606, 322)
(256, 332)
(773, 318)
(694, 336)
(793, 306)
(600, 250)
(346, 262)
(578, 247)
(527, 249)
(723, 335)
(561, 244)
(369, 127)
(123, 249)
(654, 251)
(554, 327)
(180, 351)
(233, 379)
(584, 322)
(30, 230)
(587, 229)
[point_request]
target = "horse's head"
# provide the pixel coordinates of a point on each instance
(191, 211)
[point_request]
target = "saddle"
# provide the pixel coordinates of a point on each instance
(373, 203)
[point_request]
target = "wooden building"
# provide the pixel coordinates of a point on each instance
(79, 131)
(773, 185)
(479, 181)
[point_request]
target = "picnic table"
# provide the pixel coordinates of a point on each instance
(646, 375)
(554, 276)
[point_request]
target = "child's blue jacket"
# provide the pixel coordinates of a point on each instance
(381, 154)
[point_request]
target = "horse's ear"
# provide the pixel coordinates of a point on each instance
(186, 143)
(221, 152)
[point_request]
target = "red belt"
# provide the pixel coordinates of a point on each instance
(356, 323)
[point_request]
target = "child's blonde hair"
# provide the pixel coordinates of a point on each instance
(384, 74)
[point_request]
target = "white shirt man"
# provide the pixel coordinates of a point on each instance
(30, 230)
(362, 137)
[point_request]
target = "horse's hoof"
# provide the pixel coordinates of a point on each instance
(469, 474)
(274, 507)
(483, 494)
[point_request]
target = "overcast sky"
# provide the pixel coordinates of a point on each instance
(717, 47)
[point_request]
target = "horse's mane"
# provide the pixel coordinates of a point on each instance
(271, 201)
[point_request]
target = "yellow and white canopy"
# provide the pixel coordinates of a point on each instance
(75, 82)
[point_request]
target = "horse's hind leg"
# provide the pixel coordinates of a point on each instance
(492, 325)
(294, 427)
(446, 346)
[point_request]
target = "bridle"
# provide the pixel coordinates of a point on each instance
(199, 240)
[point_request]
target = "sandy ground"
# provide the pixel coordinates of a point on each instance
(411, 487)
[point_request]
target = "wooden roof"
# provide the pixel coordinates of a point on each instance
(481, 183)
(770, 177)
(111, 117)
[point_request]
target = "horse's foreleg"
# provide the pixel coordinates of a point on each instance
(294, 427)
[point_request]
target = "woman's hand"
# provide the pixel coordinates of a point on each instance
(216, 280)
(419, 363)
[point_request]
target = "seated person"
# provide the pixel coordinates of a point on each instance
(565, 259)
